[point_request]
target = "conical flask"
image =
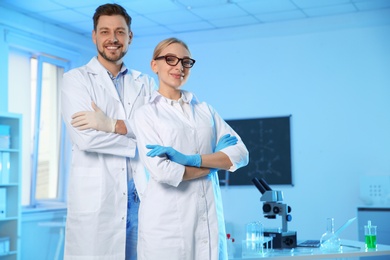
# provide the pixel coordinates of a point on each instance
(330, 242)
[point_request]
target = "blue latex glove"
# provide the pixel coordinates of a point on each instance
(173, 155)
(225, 141)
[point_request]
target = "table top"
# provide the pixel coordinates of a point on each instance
(349, 249)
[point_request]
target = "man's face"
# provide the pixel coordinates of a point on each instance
(112, 38)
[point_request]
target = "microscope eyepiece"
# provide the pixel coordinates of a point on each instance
(258, 185)
(265, 184)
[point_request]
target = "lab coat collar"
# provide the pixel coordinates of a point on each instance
(123, 72)
(134, 84)
(186, 96)
(103, 78)
(131, 81)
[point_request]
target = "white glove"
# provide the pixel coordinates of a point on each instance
(93, 120)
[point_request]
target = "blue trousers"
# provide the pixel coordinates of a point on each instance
(132, 222)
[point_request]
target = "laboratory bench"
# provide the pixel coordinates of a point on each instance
(349, 249)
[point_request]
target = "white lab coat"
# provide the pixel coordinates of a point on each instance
(97, 188)
(182, 220)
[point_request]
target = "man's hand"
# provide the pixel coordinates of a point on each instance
(225, 141)
(93, 120)
(175, 156)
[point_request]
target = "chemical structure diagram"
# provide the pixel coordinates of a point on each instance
(268, 142)
(263, 152)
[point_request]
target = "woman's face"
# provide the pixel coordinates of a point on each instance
(172, 77)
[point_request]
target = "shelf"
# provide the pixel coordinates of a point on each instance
(9, 184)
(10, 187)
(9, 150)
(8, 219)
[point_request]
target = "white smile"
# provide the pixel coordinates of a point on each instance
(112, 47)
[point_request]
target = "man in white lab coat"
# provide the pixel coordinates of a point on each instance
(98, 101)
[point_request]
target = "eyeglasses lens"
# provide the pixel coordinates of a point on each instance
(173, 61)
(187, 63)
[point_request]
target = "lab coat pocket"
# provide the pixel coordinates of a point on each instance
(85, 186)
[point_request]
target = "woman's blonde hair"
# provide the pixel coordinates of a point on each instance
(165, 43)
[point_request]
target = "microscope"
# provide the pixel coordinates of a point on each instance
(273, 206)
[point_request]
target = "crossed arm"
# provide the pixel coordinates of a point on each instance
(197, 165)
(97, 120)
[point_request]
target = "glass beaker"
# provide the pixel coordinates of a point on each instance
(330, 242)
(254, 231)
(370, 236)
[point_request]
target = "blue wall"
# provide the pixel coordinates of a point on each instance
(332, 74)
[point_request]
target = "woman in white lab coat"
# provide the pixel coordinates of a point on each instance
(97, 188)
(181, 215)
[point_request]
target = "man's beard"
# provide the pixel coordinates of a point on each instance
(114, 59)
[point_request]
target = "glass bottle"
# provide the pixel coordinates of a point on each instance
(330, 242)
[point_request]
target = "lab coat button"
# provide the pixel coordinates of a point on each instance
(205, 241)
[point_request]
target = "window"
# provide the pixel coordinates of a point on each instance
(36, 62)
(48, 137)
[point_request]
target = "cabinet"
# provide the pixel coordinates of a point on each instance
(379, 216)
(10, 185)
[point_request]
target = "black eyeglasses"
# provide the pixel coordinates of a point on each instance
(173, 61)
